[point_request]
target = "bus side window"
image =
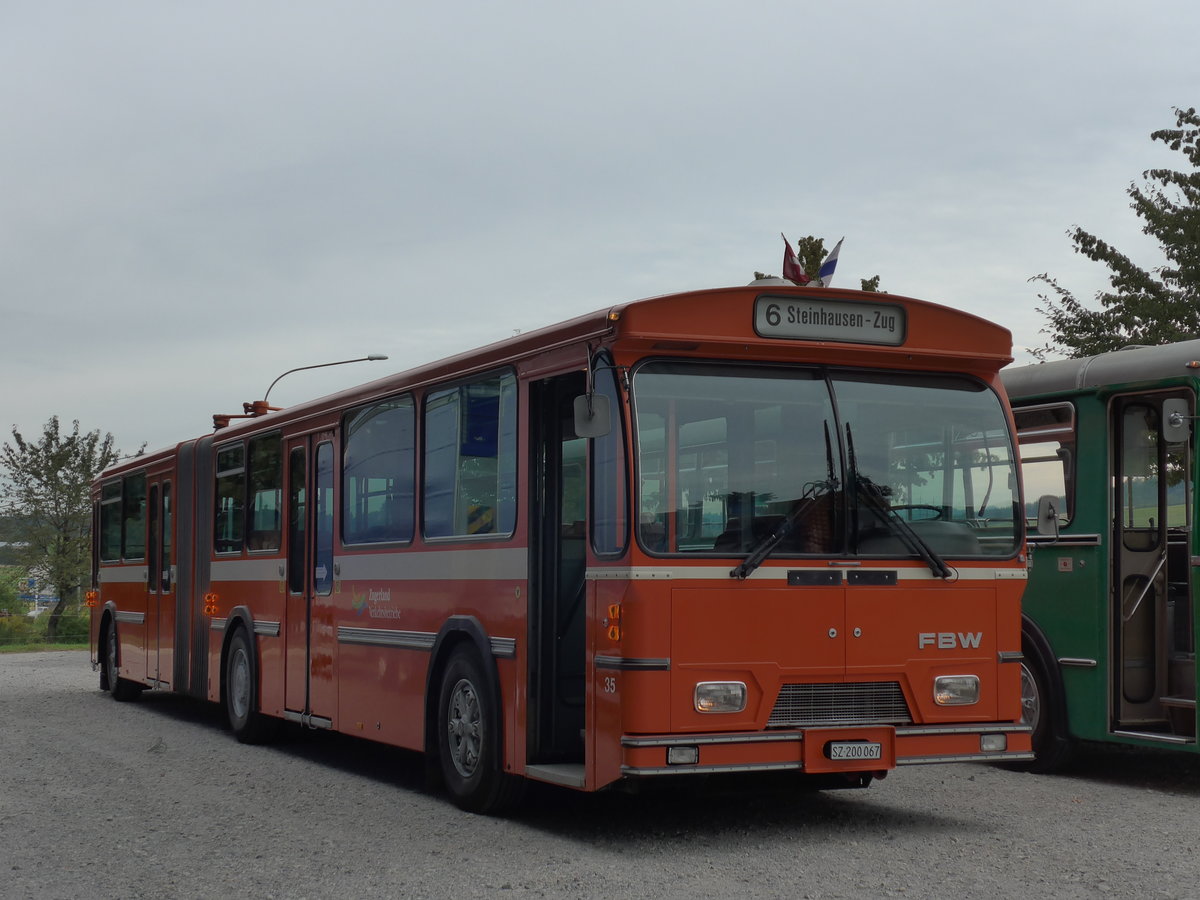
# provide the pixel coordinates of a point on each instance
(133, 517)
(229, 499)
(264, 526)
(378, 472)
(110, 521)
(609, 490)
(471, 458)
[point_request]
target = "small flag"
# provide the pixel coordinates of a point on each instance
(792, 270)
(825, 273)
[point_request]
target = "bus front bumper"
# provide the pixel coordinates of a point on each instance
(825, 749)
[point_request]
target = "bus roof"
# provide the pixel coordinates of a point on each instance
(1133, 364)
(717, 322)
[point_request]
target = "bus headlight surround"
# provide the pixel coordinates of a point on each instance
(956, 690)
(720, 697)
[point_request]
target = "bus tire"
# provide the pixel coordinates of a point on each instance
(246, 722)
(468, 743)
(120, 688)
(1042, 707)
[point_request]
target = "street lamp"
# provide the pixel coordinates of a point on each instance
(341, 362)
(261, 407)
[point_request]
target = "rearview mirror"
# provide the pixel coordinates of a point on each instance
(1047, 521)
(1176, 420)
(593, 416)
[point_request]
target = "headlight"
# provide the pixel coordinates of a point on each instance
(993, 743)
(720, 696)
(956, 690)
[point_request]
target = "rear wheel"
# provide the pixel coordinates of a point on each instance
(120, 688)
(469, 739)
(241, 694)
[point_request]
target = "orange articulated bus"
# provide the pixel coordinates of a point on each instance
(736, 530)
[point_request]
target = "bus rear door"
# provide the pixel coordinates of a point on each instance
(309, 692)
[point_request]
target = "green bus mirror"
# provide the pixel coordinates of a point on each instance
(1176, 420)
(1047, 521)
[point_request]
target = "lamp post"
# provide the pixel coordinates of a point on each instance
(341, 362)
(261, 407)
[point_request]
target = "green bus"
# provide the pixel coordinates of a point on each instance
(1109, 630)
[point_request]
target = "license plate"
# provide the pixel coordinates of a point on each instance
(855, 750)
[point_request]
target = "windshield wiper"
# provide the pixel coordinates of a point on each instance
(876, 500)
(798, 513)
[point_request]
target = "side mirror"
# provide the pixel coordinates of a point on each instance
(1176, 420)
(593, 416)
(1047, 520)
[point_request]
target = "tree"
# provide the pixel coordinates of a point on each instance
(811, 253)
(47, 492)
(8, 591)
(1158, 306)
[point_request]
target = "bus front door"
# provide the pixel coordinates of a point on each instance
(558, 609)
(1154, 670)
(297, 612)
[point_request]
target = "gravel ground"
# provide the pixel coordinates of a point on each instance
(154, 799)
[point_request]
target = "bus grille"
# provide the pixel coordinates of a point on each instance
(874, 703)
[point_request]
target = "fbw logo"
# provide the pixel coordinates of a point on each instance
(949, 640)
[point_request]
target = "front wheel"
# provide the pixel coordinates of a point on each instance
(469, 738)
(241, 694)
(1040, 710)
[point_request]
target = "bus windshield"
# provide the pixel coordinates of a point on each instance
(827, 461)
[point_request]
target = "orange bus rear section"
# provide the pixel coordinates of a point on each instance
(793, 547)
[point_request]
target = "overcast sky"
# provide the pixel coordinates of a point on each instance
(197, 197)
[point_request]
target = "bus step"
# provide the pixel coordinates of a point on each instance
(1181, 713)
(566, 774)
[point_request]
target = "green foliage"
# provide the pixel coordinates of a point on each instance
(1158, 306)
(17, 630)
(811, 253)
(9, 536)
(46, 490)
(8, 587)
(32, 632)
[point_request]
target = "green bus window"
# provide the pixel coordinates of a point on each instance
(1046, 437)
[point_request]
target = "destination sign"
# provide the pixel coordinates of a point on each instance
(812, 319)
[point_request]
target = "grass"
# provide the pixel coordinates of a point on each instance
(37, 648)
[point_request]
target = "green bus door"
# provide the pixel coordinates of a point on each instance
(1154, 671)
